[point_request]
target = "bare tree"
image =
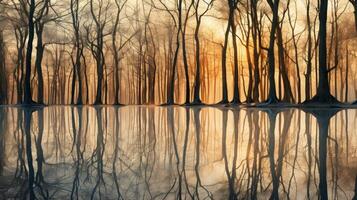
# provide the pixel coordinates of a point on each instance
(40, 22)
(323, 90)
(99, 17)
(78, 46)
(274, 5)
(116, 50)
(198, 16)
(31, 33)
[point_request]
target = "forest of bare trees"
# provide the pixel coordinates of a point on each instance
(189, 52)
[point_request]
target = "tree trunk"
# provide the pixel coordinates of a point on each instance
(309, 55)
(236, 98)
(224, 65)
(272, 98)
(196, 96)
(288, 95)
(323, 91)
(3, 78)
(31, 27)
(256, 40)
(38, 62)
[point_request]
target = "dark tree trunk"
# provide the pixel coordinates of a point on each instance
(272, 98)
(196, 96)
(31, 28)
(346, 74)
(309, 55)
(184, 55)
(38, 62)
(323, 90)
(224, 65)
(79, 51)
(3, 78)
(288, 95)
(256, 41)
(236, 95)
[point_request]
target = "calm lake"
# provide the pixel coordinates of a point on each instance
(148, 152)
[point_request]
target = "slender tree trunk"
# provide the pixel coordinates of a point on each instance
(309, 55)
(38, 62)
(346, 74)
(224, 64)
(256, 40)
(236, 95)
(197, 88)
(288, 95)
(31, 27)
(3, 78)
(184, 54)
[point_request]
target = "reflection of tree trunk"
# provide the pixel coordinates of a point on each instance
(170, 118)
(40, 157)
(31, 175)
(3, 121)
(197, 112)
(230, 175)
(77, 141)
(297, 141)
(256, 160)
(185, 151)
(276, 168)
(97, 156)
(116, 152)
(309, 153)
(323, 119)
(323, 134)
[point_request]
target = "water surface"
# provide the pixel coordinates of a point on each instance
(144, 152)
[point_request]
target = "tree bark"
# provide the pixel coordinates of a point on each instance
(323, 91)
(31, 28)
(272, 98)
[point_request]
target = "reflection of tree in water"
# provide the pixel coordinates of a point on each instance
(174, 152)
(3, 123)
